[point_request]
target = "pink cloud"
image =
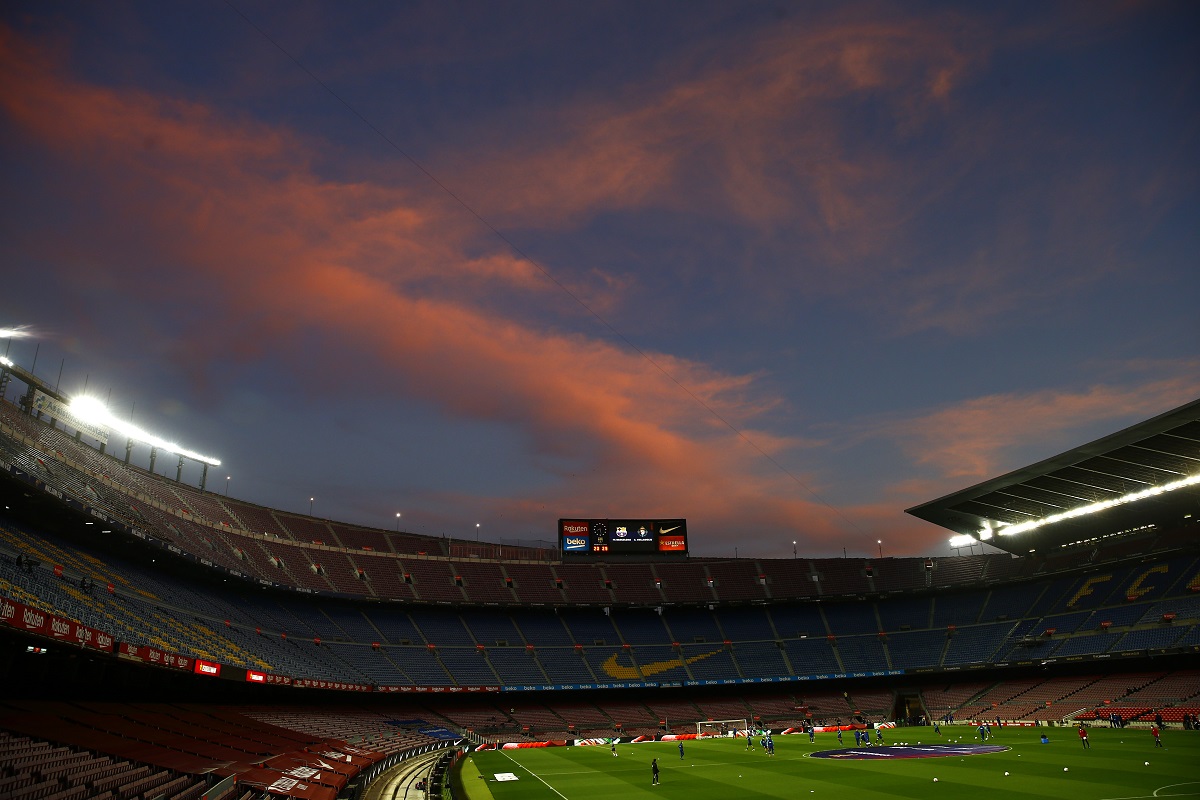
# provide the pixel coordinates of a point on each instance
(974, 439)
(226, 213)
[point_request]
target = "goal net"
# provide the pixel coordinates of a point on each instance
(721, 727)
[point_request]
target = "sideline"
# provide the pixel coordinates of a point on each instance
(474, 788)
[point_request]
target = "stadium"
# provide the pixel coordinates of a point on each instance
(161, 640)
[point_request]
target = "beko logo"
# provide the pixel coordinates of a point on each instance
(575, 543)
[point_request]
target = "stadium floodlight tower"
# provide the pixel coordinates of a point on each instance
(92, 411)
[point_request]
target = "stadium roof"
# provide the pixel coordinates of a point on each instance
(1070, 497)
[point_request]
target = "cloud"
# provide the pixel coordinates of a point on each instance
(223, 223)
(760, 132)
(980, 437)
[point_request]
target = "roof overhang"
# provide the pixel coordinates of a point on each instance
(1119, 484)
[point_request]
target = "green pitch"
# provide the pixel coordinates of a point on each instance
(722, 769)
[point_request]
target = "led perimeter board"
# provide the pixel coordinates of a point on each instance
(605, 538)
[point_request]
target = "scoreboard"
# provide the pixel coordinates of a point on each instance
(600, 538)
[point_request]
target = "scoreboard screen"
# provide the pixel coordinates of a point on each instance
(600, 538)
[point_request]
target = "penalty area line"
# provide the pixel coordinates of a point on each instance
(534, 774)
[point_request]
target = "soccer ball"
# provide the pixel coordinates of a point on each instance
(1006, 774)
(1065, 769)
(935, 780)
(1147, 763)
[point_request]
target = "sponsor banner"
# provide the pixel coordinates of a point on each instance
(33, 620)
(592, 742)
(210, 668)
(529, 745)
(580, 544)
(254, 676)
(53, 408)
(438, 733)
(271, 780)
(150, 655)
(671, 544)
(313, 769)
(311, 683)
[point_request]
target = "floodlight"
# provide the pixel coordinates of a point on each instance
(963, 540)
(93, 411)
(16, 332)
(1133, 497)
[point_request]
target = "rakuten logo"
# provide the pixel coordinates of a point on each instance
(59, 627)
(33, 619)
(574, 527)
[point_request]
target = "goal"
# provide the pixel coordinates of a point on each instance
(721, 727)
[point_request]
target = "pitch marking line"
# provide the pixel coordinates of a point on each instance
(534, 774)
(1193, 793)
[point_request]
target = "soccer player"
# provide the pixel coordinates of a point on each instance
(839, 734)
(1157, 736)
(983, 732)
(654, 772)
(614, 748)
(879, 735)
(1083, 738)
(936, 729)
(812, 733)
(681, 749)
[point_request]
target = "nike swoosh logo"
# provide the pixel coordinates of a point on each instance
(668, 530)
(621, 673)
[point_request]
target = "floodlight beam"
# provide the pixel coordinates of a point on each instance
(1093, 508)
(92, 410)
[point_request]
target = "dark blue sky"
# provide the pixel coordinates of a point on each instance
(781, 269)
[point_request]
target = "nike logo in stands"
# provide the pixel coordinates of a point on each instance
(668, 530)
(615, 670)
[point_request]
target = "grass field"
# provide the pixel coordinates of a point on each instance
(722, 769)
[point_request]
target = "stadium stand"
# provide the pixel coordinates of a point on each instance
(418, 620)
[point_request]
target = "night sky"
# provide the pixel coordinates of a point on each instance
(783, 269)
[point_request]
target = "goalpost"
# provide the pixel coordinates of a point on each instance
(721, 727)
